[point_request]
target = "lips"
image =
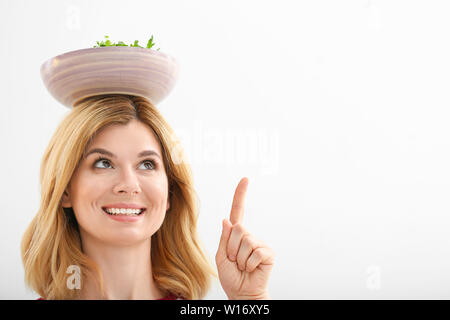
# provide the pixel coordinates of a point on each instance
(118, 211)
(124, 206)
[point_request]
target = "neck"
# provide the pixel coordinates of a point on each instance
(126, 271)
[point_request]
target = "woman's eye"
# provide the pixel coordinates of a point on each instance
(103, 162)
(148, 165)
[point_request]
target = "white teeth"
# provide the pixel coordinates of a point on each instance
(127, 212)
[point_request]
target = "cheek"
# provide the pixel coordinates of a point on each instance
(156, 194)
(86, 192)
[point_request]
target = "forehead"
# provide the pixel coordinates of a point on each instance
(135, 136)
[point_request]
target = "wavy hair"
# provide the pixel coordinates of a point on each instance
(52, 241)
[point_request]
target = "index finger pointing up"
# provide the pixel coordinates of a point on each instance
(237, 208)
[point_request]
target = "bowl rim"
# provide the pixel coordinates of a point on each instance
(88, 51)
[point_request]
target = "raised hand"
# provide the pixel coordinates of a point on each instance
(244, 263)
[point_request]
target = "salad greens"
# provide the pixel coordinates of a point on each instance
(108, 43)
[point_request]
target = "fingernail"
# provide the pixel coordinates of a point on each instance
(231, 257)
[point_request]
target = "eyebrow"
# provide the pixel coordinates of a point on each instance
(144, 153)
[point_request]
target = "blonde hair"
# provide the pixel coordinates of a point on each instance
(51, 242)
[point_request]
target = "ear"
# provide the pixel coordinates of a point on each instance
(66, 202)
(168, 199)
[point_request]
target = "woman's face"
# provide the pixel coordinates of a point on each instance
(123, 167)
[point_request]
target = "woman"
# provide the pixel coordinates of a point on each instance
(118, 203)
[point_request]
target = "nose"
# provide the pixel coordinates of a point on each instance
(128, 183)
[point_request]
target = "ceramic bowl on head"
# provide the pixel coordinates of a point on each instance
(75, 75)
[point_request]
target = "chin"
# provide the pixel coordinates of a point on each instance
(127, 241)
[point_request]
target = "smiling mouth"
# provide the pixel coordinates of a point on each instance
(123, 212)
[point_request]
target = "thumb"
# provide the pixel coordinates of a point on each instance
(226, 232)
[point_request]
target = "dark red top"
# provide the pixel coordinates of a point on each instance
(170, 296)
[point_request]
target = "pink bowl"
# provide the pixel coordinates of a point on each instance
(79, 74)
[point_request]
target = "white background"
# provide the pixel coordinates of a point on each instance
(349, 101)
